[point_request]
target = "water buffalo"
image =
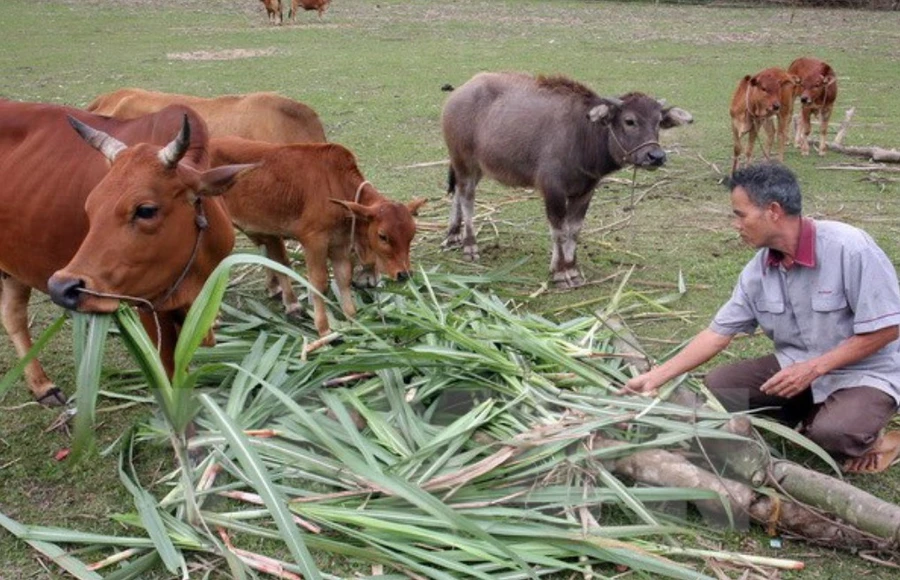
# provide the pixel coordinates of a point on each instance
(551, 133)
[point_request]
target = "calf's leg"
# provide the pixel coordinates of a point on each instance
(343, 276)
(824, 117)
(462, 211)
(566, 217)
(14, 312)
(317, 272)
(276, 282)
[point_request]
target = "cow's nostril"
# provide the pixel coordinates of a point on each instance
(776, 106)
(66, 292)
(402, 276)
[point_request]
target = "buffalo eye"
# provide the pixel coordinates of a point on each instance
(630, 122)
(145, 212)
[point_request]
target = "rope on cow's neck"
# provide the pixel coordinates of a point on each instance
(202, 224)
(353, 217)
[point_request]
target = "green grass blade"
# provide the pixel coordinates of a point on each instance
(60, 557)
(90, 348)
(257, 473)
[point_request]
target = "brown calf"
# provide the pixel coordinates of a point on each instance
(757, 99)
(817, 91)
(317, 5)
(316, 194)
(273, 9)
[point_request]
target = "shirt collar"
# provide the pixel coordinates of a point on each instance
(806, 248)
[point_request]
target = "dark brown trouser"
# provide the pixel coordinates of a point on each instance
(846, 424)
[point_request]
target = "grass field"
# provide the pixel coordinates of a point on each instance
(373, 70)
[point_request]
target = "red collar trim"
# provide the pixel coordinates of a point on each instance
(806, 248)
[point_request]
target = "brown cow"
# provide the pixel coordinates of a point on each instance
(817, 91)
(757, 99)
(551, 133)
(316, 194)
(258, 116)
(317, 5)
(273, 9)
(122, 229)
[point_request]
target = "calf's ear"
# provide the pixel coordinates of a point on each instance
(415, 204)
(605, 110)
(218, 180)
(675, 117)
(362, 211)
(792, 80)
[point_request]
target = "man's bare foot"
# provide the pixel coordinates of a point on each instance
(880, 457)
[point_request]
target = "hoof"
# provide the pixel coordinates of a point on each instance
(568, 279)
(470, 253)
(451, 243)
(365, 278)
(52, 398)
(294, 311)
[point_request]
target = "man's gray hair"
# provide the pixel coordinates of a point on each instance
(768, 182)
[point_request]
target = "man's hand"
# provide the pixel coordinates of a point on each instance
(791, 381)
(644, 384)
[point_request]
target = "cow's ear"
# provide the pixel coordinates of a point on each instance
(605, 110)
(415, 204)
(218, 180)
(753, 80)
(792, 80)
(675, 117)
(362, 211)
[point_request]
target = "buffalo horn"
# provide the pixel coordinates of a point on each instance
(172, 153)
(102, 142)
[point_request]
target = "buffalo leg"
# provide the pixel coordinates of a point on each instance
(566, 217)
(14, 311)
(462, 213)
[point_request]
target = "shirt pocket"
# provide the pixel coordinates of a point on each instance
(831, 321)
(768, 312)
(829, 302)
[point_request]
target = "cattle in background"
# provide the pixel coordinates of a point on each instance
(316, 194)
(273, 9)
(317, 5)
(817, 90)
(551, 133)
(756, 101)
(88, 228)
(257, 116)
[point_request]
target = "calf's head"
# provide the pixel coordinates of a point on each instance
(388, 231)
(767, 91)
(633, 124)
(816, 87)
(147, 228)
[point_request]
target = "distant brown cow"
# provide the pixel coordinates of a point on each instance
(90, 228)
(273, 9)
(317, 5)
(257, 116)
(551, 133)
(317, 195)
(817, 91)
(758, 99)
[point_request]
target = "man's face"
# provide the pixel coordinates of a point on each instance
(753, 223)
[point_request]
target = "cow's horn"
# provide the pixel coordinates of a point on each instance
(172, 153)
(102, 142)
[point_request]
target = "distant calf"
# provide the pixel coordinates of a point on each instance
(273, 9)
(817, 90)
(258, 116)
(551, 133)
(756, 101)
(317, 5)
(316, 194)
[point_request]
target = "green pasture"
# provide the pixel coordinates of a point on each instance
(373, 70)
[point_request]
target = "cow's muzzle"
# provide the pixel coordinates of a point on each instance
(65, 291)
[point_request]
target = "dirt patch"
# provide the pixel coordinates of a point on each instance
(226, 54)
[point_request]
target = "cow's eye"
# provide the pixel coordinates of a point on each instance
(145, 212)
(383, 237)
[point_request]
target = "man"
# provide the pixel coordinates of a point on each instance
(828, 297)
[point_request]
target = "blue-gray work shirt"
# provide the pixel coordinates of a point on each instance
(851, 288)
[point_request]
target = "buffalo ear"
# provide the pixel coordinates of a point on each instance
(675, 117)
(415, 204)
(605, 110)
(362, 211)
(218, 180)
